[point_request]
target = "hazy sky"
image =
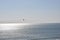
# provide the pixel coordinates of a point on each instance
(30, 10)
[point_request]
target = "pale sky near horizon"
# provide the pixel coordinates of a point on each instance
(30, 10)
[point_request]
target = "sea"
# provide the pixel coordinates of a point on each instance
(26, 31)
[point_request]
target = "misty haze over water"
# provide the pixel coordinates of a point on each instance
(29, 19)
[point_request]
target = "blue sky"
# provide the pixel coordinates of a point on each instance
(31, 10)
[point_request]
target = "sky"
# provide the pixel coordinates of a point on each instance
(30, 10)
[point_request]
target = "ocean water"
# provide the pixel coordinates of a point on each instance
(45, 31)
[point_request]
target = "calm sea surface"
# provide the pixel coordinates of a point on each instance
(46, 31)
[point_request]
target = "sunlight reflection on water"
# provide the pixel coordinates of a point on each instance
(25, 31)
(12, 26)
